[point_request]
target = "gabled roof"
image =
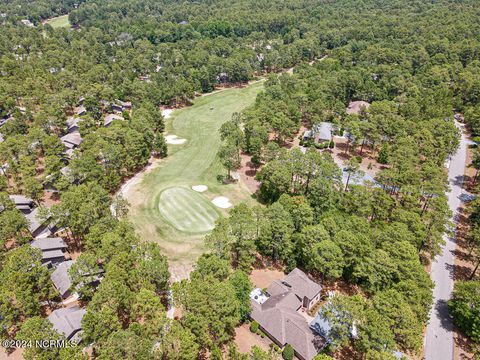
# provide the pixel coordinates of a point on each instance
(72, 139)
(278, 315)
(50, 255)
(72, 123)
(21, 200)
(109, 118)
(46, 244)
(67, 321)
(301, 284)
(61, 279)
(323, 131)
(33, 220)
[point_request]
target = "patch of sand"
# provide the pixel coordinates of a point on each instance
(200, 188)
(262, 278)
(174, 140)
(245, 340)
(222, 202)
(166, 113)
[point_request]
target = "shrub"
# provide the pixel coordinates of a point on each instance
(254, 327)
(287, 352)
(331, 145)
(262, 334)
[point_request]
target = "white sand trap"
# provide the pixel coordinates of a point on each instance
(166, 113)
(222, 202)
(174, 140)
(200, 188)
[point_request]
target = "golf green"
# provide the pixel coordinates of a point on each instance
(187, 210)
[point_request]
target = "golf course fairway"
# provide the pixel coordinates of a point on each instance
(163, 207)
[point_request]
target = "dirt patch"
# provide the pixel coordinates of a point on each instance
(247, 174)
(245, 339)
(261, 278)
(17, 354)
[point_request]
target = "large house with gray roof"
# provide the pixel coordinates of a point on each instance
(281, 313)
(68, 321)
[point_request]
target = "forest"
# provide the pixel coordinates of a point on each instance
(416, 62)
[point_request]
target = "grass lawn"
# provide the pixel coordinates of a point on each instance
(59, 22)
(163, 208)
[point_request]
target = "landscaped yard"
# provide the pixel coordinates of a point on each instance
(58, 22)
(164, 208)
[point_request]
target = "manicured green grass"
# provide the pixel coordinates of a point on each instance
(187, 210)
(193, 163)
(59, 22)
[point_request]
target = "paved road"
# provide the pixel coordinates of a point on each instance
(439, 336)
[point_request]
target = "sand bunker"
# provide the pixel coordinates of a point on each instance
(166, 113)
(200, 188)
(174, 140)
(222, 202)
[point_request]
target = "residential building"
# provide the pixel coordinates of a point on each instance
(22, 203)
(109, 118)
(53, 249)
(72, 140)
(37, 226)
(61, 279)
(68, 321)
(281, 313)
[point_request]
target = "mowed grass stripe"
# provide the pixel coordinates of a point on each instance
(187, 210)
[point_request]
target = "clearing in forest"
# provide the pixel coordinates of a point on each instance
(59, 22)
(163, 206)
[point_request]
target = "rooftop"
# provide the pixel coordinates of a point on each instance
(276, 312)
(67, 321)
(45, 244)
(61, 279)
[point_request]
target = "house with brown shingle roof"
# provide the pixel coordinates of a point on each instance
(279, 310)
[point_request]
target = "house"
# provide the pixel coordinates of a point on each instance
(37, 226)
(26, 22)
(61, 279)
(109, 118)
(53, 249)
(22, 203)
(72, 124)
(322, 132)
(72, 140)
(355, 107)
(80, 110)
(63, 283)
(280, 313)
(121, 106)
(68, 321)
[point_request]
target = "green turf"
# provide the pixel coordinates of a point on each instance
(192, 163)
(187, 210)
(59, 22)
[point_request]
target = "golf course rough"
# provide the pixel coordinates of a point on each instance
(187, 210)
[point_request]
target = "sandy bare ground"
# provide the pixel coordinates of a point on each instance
(129, 188)
(261, 278)
(245, 339)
